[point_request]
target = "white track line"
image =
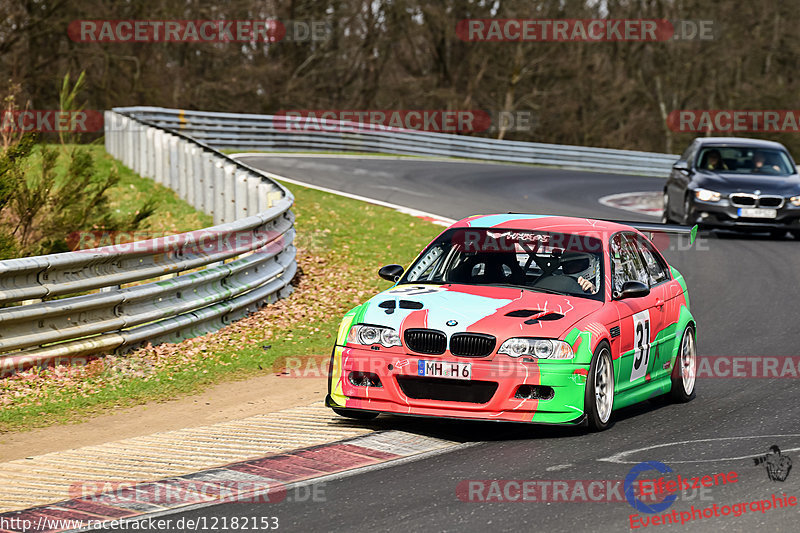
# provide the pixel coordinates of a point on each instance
(620, 457)
(400, 208)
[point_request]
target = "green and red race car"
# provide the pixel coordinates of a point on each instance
(523, 318)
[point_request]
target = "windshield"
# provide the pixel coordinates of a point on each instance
(539, 261)
(745, 160)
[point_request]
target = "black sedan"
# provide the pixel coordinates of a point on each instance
(735, 183)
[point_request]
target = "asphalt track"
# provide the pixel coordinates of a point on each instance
(744, 293)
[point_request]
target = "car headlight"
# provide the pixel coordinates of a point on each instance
(538, 348)
(795, 201)
(705, 195)
(369, 335)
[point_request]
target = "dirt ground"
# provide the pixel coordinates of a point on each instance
(226, 401)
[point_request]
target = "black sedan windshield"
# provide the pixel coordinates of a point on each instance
(745, 160)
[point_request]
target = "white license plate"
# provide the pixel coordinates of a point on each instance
(444, 369)
(755, 212)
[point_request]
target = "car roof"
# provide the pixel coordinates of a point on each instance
(739, 141)
(553, 223)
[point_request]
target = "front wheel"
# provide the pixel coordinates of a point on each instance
(599, 397)
(665, 218)
(684, 374)
(687, 212)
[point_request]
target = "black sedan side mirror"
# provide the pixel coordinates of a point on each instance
(391, 272)
(634, 289)
(681, 165)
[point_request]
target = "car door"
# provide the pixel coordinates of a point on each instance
(664, 313)
(639, 318)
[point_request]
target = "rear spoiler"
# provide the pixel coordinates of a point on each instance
(654, 227)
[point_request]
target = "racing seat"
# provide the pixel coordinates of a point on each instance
(570, 264)
(489, 267)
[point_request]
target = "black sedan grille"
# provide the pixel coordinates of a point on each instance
(429, 341)
(472, 344)
(447, 390)
(745, 200)
(770, 201)
(752, 200)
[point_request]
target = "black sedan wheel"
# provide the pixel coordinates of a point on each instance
(687, 212)
(665, 218)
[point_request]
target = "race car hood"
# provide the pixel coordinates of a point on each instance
(499, 311)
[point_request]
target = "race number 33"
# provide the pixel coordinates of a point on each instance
(641, 344)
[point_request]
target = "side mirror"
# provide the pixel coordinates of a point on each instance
(391, 272)
(634, 289)
(681, 166)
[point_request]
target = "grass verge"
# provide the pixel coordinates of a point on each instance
(341, 244)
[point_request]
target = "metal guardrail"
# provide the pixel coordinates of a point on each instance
(183, 286)
(277, 133)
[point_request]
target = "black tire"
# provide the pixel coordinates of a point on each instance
(796, 234)
(679, 392)
(777, 233)
(597, 420)
(665, 218)
(686, 220)
(355, 414)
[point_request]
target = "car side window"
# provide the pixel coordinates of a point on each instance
(626, 263)
(657, 269)
(428, 268)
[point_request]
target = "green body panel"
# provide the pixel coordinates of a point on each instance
(669, 342)
(350, 318)
(568, 379)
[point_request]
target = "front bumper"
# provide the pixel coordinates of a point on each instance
(723, 214)
(467, 399)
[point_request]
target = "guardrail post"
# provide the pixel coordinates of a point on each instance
(174, 181)
(219, 193)
(229, 196)
(209, 179)
(183, 169)
(158, 156)
(128, 153)
(141, 134)
(150, 153)
(196, 180)
(252, 194)
(240, 194)
(134, 155)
